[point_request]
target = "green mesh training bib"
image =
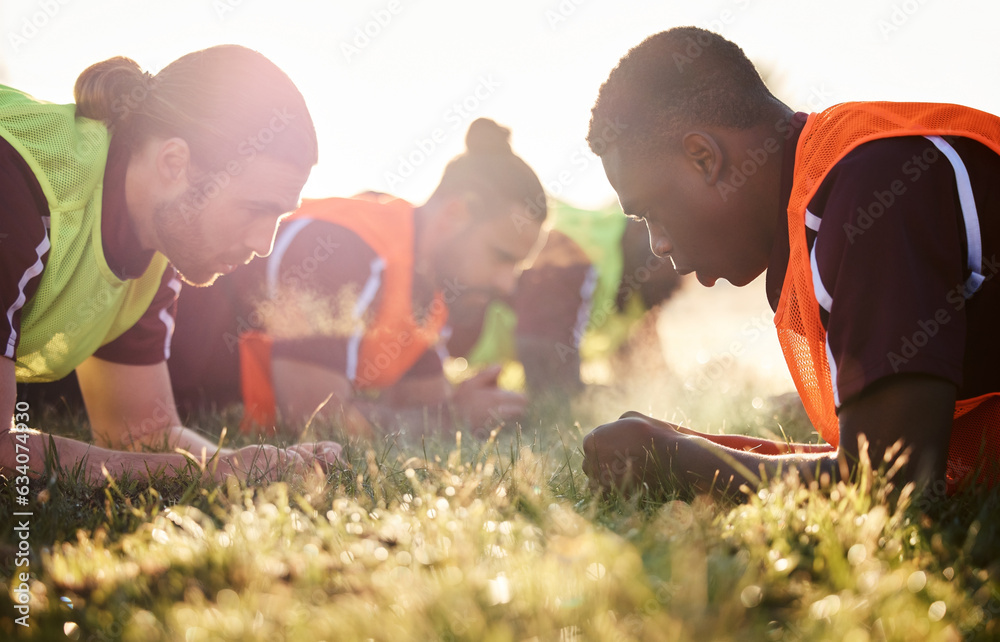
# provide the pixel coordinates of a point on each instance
(80, 304)
(599, 235)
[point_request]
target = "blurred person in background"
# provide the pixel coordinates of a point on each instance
(108, 203)
(586, 297)
(348, 318)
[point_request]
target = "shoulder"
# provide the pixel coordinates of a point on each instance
(320, 255)
(560, 251)
(884, 161)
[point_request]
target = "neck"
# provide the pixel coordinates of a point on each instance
(762, 146)
(423, 250)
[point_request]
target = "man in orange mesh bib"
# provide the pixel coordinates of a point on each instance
(877, 225)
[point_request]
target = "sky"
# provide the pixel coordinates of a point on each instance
(393, 84)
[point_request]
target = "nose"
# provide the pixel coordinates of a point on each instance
(658, 241)
(260, 236)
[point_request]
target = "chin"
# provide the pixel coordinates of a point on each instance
(198, 279)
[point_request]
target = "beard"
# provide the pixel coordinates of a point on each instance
(178, 225)
(469, 306)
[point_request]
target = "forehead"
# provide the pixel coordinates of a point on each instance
(516, 231)
(267, 179)
(634, 180)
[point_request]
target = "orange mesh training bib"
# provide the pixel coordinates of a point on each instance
(393, 341)
(826, 138)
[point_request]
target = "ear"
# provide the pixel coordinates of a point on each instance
(173, 159)
(702, 150)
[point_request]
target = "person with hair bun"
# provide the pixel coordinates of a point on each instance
(350, 313)
(107, 204)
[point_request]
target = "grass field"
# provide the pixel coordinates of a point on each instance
(454, 538)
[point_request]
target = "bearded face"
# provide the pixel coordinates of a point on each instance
(179, 226)
(215, 226)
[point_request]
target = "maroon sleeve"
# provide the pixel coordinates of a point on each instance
(555, 294)
(428, 365)
(148, 341)
(323, 259)
(890, 255)
(326, 260)
(24, 242)
(553, 302)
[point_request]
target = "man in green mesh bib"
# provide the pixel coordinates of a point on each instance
(103, 205)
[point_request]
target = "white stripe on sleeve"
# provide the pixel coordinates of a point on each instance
(812, 221)
(969, 215)
(168, 321)
(365, 299)
(822, 295)
(19, 302)
(586, 302)
(286, 234)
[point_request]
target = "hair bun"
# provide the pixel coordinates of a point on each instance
(107, 90)
(486, 136)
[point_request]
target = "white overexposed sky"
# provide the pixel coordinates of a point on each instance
(382, 77)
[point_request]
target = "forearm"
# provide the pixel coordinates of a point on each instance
(550, 365)
(33, 446)
(705, 466)
(193, 442)
(758, 445)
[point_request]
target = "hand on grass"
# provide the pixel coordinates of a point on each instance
(631, 453)
(260, 463)
(483, 405)
(324, 453)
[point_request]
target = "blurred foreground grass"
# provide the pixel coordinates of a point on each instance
(458, 539)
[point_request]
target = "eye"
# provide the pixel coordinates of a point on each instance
(504, 256)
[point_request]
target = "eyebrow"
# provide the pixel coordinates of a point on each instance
(506, 254)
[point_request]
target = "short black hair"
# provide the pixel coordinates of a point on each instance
(683, 76)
